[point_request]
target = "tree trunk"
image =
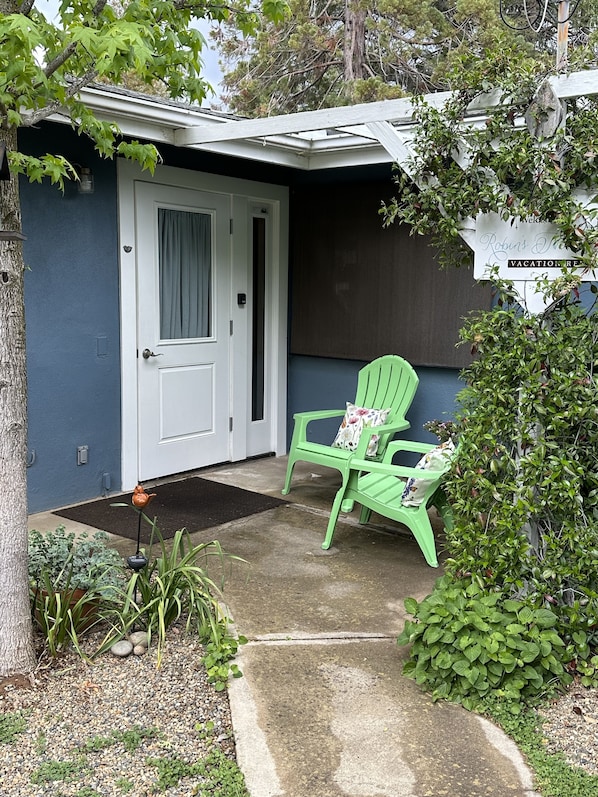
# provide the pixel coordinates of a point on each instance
(354, 49)
(17, 653)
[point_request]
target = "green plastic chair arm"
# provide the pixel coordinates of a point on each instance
(303, 419)
(406, 445)
(314, 414)
(388, 428)
(384, 432)
(388, 469)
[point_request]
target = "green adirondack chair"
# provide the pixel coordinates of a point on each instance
(379, 486)
(388, 382)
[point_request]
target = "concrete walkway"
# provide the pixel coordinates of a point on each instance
(322, 709)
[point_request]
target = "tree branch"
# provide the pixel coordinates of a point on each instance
(60, 59)
(26, 7)
(29, 120)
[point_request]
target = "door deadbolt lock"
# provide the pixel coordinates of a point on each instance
(147, 353)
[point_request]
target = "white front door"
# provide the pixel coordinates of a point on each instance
(183, 328)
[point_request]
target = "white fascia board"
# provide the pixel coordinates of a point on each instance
(256, 151)
(129, 106)
(363, 156)
(373, 153)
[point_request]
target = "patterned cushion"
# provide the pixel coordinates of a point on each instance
(435, 459)
(355, 421)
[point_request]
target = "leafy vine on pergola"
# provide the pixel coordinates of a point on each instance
(463, 165)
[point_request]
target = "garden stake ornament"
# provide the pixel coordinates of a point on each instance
(140, 499)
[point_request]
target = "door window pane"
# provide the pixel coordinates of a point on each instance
(259, 314)
(185, 274)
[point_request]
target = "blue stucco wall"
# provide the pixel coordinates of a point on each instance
(317, 383)
(72, 315)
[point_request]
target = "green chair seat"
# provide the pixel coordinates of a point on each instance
(379, 486)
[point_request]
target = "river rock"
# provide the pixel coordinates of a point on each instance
(122, 648)
(139, 650)
(138, 638)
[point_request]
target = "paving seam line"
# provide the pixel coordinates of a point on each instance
(318, 639)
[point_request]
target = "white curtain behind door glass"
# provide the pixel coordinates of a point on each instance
(185, 262)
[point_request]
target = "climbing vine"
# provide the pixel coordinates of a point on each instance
(464, 165)
(524, 489)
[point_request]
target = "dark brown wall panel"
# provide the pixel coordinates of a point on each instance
(360, 290)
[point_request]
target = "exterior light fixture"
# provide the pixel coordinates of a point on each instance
(85, 185)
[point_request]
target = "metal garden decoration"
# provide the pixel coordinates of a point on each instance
(140, 499)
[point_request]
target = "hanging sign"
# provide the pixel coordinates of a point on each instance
(522, 250)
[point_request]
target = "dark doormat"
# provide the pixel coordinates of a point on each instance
(192, 503)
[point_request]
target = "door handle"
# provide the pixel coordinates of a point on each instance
(147, 353)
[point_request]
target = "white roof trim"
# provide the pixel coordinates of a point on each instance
(328, 138)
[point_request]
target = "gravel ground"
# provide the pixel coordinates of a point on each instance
(571, 727)
(73, 704)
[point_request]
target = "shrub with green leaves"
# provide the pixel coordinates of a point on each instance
(468, 643)
(76, 581)
(71, 561)
(525, 489)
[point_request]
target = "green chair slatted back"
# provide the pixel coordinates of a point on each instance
(387, 382)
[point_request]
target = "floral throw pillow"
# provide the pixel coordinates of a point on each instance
(355, 421)
(435, 459)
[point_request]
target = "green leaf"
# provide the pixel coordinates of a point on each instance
(433, 634)
(473, 652)
(545, 618)
(411, 606)
(444, 660)
(530, 651)
(276, 10)
(525, 615)
(462, 667)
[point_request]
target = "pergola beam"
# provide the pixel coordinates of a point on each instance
(399, 150)
(398, 112)
(349, 115)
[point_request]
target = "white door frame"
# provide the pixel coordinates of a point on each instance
(244, 193)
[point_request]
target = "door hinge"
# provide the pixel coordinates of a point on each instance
(230, 327)
(231, 226)
(230, 424)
